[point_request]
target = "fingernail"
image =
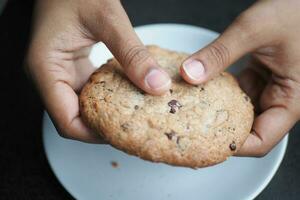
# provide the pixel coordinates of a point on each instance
(194, 69)
(157, 79)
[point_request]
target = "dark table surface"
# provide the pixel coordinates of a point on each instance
(24, 171)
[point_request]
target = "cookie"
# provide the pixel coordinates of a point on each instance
(192, 126)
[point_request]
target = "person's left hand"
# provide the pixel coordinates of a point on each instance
(269, 30)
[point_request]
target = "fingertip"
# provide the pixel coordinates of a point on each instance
(157, 81)
(78, 131)
(251, 146)
(193, 71)
(187, 78)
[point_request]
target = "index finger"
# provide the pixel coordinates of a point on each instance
(268, 129)
(118, 35)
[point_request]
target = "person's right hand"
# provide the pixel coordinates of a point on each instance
(58, 63)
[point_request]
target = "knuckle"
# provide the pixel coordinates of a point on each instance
(63, 135)
(285, 92)
(219, 54)
(64, 131)
(261, 152)
(135, 56)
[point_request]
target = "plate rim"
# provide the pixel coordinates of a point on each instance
(254, 194)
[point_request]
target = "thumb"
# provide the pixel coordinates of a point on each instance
(118, 35)
(138, 64)
(235, 42)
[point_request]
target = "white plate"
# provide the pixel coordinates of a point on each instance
(86, 172)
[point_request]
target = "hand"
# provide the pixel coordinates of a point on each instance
(57, 59)
(269, 30)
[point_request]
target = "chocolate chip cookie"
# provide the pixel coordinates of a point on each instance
(192, 126)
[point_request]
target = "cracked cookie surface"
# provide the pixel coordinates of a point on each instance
(192, 126)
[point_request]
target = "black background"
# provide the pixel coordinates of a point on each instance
(24, 171)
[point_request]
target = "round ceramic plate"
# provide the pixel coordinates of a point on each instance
(91, 172)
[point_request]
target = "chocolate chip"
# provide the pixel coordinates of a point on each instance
(174, 105)
(231, 129)
(178, 139)
(110, 90)
(136, 107)
(107, 98)
(171, 91)
(200, 86)
(182, 143)
(187, 126)
(102, 83)
(142, 92)
(246, 98)
(125, 127)
(95, 106)
(172, 110)
(232, 146)
(170, 135)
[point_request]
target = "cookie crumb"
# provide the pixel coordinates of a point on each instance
(114, 164)
(232, 146)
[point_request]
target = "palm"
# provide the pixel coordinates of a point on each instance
(65, 69)
(70, 61)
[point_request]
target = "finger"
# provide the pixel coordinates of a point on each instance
(62, 105)
(81, 69)
(251, 84)
(253, 80)
(268, 129)
(140, 67)
(244, 35)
